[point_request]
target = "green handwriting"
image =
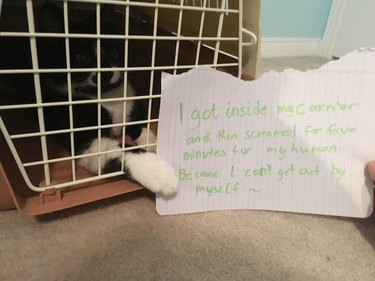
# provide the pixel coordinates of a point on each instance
(282, 151)
(241, 150)
(198, 139)
(302, 109)
(245, 111)
(337, 172)
(199, 115)
(204, 154)
(288, 133)
(222, 135)
(259, 172)
(205, 174)
(304, 171)
(332, 129)
(227, 188)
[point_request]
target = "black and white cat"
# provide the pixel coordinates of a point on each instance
(139, 165)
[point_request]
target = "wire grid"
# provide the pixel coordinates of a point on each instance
(221, 7)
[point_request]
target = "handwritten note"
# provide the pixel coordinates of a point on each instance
(291, 141)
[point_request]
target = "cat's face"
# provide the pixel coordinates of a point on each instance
(83, 54)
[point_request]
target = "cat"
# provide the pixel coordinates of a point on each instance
(140, 165)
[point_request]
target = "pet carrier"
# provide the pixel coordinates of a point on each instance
(37, 174)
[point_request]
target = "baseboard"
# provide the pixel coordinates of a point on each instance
(286, 47)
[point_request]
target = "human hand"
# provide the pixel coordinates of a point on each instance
(371, 170)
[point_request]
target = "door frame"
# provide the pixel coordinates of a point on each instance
(332, 28)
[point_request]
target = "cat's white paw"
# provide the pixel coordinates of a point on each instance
(152, 172)
(142, 139)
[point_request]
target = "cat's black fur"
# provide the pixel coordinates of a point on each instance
(15, 53)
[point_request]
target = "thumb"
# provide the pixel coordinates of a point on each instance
(371, 170)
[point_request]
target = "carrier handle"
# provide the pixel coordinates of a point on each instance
(254, 38)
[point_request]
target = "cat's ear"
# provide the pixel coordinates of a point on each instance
(51, 18)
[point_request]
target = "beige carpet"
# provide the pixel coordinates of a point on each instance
(124, 239)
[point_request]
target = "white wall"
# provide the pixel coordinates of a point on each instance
(293, 27)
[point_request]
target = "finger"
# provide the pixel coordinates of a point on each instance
(371, 170)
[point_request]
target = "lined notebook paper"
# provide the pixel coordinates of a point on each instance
(291, 141)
